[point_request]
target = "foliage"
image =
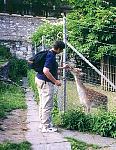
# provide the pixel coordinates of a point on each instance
(79, 145)
(49, 31)
(91, 28)
(31, 80)
(4, 54)
(11, 97)
(76, 119)
(13, 146)
(103, 123)
(17, 69)
(33, 7)
(56, 114)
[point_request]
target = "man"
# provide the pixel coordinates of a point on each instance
(45, 83)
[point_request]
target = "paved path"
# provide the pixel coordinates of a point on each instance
(39, 140)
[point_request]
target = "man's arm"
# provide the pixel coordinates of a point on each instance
(50, 76)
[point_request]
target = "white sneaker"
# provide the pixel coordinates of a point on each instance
(40, 126)
(52, 129)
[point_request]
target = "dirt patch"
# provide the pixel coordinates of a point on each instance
(13, 128)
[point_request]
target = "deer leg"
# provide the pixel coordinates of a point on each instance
(88, 109)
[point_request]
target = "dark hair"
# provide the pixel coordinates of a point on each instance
(59, 44)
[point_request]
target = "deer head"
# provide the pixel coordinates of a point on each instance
(76, 71)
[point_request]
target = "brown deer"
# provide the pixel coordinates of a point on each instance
(88, 97)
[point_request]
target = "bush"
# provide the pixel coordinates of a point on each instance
(17, 69)
(4, 52)
(75, 119)
(103, 123)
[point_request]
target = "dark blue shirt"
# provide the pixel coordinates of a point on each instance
(51, 64)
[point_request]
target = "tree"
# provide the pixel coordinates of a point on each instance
(33, 7)
(92, 27)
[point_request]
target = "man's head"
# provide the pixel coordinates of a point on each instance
(59, 46)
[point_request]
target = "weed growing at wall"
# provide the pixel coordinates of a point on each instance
(17, 69)
(79, 145)
(4, 52)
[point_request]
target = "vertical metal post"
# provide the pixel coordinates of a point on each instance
(4, 6)
(64, 59)
(43, 43)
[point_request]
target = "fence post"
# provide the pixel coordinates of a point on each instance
(35, 48)
(64, 60)
(43, 43)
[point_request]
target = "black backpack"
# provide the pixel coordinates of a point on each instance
(37, 61)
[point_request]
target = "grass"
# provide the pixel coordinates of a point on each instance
(11, 97)
(79, 145)
(31, 80)
(14, 146)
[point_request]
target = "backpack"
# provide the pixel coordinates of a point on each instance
(37, 61)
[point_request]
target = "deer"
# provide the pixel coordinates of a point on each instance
(88, 97)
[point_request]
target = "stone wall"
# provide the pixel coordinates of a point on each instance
(20, 49)
(19, 28)
(16, 31)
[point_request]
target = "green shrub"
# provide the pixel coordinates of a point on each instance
(103, 123)
(56, 114)
(17, 69)
(76, 120)
(4, 52)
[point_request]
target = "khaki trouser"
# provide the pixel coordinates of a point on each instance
(46, 91)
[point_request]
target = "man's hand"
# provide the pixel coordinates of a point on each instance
(66, 66)
(50, 77)
(58, 83)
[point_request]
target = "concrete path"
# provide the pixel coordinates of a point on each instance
(39, 140)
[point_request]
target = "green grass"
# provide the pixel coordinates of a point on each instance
(14, 146)
(79, 145)
(31, 80)
(11, 97)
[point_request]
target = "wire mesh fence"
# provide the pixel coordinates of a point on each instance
(92, 81)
